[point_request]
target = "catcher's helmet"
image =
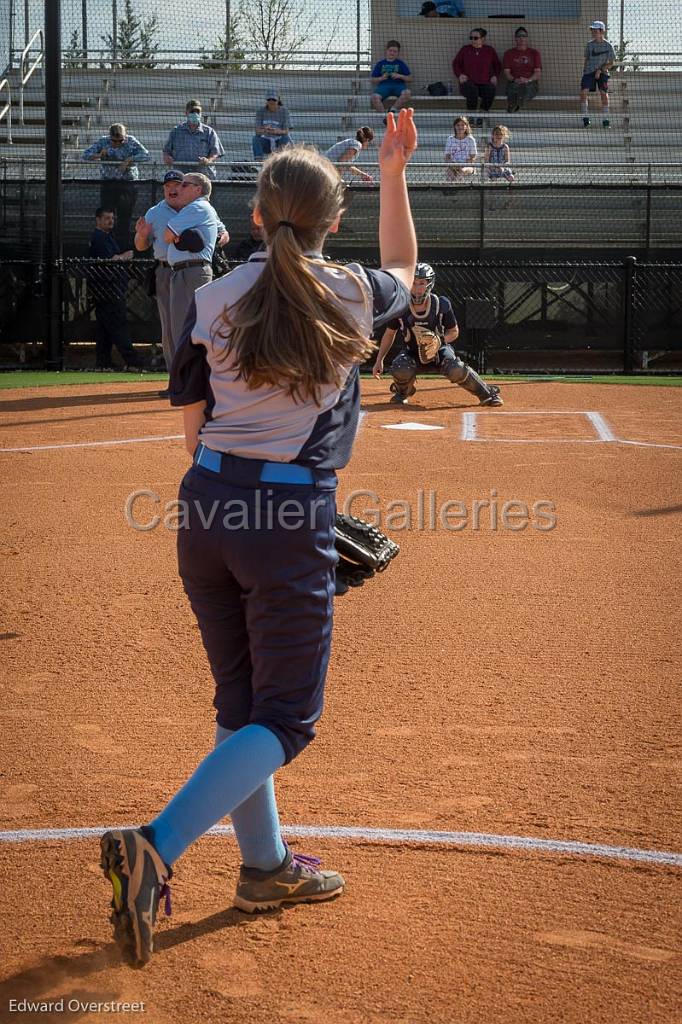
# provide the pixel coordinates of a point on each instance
(424, 272)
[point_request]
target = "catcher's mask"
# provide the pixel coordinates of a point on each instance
(424, 280)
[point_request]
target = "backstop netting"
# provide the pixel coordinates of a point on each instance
(588, 156)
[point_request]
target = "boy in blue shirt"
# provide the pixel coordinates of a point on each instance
(389, 77)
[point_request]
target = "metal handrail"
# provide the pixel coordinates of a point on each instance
(38, 61)
(7, 109)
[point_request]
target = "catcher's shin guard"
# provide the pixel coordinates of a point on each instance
(459, 373)
(404, 373)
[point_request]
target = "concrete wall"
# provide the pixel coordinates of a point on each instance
(429, 44)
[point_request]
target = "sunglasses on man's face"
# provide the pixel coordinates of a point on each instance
(474, 37)
(189, 184)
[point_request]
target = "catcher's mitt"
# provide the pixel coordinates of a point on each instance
(363, 551)
(428, 342)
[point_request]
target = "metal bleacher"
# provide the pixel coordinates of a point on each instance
(549, 147)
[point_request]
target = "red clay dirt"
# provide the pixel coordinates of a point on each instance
(522, 683)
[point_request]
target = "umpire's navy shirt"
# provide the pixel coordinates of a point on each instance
(267, 423)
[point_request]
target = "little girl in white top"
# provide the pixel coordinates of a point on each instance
(460, 151)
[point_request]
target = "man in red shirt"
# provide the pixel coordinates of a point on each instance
(522, 69)
(477, 68)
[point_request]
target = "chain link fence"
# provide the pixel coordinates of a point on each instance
(579, 316)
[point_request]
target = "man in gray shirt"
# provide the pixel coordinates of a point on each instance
(599, 57)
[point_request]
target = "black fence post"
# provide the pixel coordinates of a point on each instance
(630, 266)
(53, 184)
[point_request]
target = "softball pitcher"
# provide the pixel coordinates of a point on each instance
(267, 375)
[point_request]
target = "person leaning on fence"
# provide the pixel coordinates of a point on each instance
(108, 286)
(344, 152)
(193, 145)
(191, 236)
(522, 67)
(389, 77)
(118, 154)
(599, 58)
(477, 68)
(497, 156)
(460, 151)
(272, 127)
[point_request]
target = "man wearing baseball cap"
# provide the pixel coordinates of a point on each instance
(599, 57)
(149, 230)
(193, 145)
(272, 126)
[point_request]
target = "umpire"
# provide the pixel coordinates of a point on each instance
(149, 231)
(191, 236)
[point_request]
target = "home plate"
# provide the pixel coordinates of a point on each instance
(410, 426)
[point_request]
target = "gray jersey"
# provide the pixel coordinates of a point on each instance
(266, 422)
(598, 54)
(336, 151)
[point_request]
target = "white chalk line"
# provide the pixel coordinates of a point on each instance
(95, 444)
(605, 434)
(393, 835)
(102, 444)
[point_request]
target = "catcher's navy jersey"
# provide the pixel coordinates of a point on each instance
(440, 317)
(266, 422)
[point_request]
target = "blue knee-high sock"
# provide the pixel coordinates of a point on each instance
(223, 781)
(256, 823)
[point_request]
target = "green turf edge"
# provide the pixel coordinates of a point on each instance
(43, 378)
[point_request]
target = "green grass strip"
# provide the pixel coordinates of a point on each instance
(44, 378)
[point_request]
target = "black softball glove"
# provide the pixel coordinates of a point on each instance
(363, 551)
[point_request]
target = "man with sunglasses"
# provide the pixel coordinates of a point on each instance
(522, 67)
(191, 236)
(477, 69)
(149, 231)
(118, 154)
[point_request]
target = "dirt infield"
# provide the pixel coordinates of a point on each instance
(497, 680)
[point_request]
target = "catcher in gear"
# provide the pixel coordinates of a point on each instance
(427, 331)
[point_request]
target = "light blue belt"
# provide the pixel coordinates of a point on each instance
(271, 472)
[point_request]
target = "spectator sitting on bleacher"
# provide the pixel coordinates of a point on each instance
(272, 127)
(599, 56)
(442, 9)
(389, 76)
(477, 68)
(192, 144)
(522, 68)
(343, 153)
(119, 154)
(497, 155)
(460, 151)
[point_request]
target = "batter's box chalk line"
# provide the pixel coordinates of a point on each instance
(604, 433)
(378, 836)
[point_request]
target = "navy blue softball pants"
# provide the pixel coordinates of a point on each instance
(257, 560)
